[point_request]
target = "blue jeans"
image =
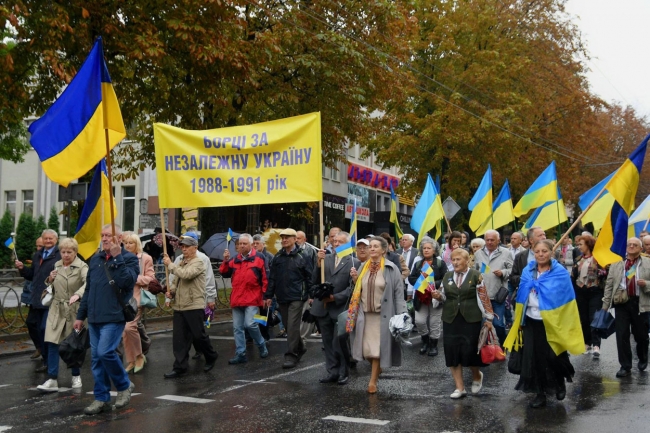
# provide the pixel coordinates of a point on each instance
(106, 365)
(53, 362)
(499, 319)
(242, 318)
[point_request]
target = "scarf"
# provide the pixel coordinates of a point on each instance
(353, 310)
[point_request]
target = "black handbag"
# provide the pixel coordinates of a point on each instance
(129, 309)
(501, 295)
(516, 357)
(73, 348)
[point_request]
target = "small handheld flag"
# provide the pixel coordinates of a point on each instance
(9, 243)
(425, 278)
(631, 272)
(485, 269)
(344, 250)
(229, 235)
(262, 320)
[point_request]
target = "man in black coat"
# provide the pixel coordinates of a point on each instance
(337, 273)
(42, 264)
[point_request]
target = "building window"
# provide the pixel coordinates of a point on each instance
(128, 208)
(336, 173)
(28, 202)
(10, 203)
(325, 171)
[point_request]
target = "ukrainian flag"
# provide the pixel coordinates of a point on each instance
(549, 215)
(230, 235)
(502, 208)
(481, 203)
(598, 212)
(558, 308)
(612, 240)
(393, 213)
(95, 213)
(353, 225)
(485, 269)
(425, 278)
(428, 212)
(344, 250)
(260, 319)
(9, 243)
(543, 190)
(640, 216)
(70, 137)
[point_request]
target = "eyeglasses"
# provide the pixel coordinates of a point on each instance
(633, 245)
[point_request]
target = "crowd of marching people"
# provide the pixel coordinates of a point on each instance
(531, 297)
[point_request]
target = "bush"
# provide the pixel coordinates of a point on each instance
(6, 228)
(53, 222)
(26, 235)
(40, 225)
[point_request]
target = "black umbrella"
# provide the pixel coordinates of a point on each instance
(216, 245)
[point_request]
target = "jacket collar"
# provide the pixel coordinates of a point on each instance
(249, 258)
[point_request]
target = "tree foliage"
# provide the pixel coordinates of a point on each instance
(25, 236)
(53, 221)
(40, 225)
(6, 228)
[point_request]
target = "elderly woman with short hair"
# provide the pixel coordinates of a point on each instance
(68, 281)
(475, 245)
(131, 337)
(378, 296)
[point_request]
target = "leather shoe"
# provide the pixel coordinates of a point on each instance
(41, 369)
(197, 355)
(173, 374)
(539, 401)
(209, 366)
(642, 365)
(36, 354)
(343, 380)
(623, 372)
(329, 379)
(289, 363)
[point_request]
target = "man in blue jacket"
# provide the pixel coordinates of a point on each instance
(112, 272)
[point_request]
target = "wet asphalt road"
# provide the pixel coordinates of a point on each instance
(262, 397)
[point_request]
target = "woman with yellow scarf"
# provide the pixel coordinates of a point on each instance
(378, 295)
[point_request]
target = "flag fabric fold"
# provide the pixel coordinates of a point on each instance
(543, 190)
(549, 215)
(344, 250)
(95, 213)
(426, 277)
(481, 203)
(393, 213)
(9, 243)
(428, 212)
(622, 186)
(70, 137)
(642, 213)
(502, 213)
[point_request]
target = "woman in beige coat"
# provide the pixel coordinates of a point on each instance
(135, 359)
(68, 281)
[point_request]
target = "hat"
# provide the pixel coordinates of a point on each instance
(191, 235)
(370, 236)
(189, 240)
(363, 241)
(288, 232)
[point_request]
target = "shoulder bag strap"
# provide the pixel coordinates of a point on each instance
(111, 282)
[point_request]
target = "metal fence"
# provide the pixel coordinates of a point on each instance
(13, 314)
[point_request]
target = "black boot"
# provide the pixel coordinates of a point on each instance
(425, 344)
(540, 400)
(560, 393)
(433, 347)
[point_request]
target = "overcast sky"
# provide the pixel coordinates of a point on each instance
(618, 40)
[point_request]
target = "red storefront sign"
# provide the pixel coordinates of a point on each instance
(370, 177)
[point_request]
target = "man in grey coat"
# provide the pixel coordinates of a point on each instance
(499, 261)
(337, 273)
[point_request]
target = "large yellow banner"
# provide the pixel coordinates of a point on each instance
(270, 162)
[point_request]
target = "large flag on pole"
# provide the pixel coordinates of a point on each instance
(481, 203)
(95, 213)
(353, 225)
(547, 216)
(428, 212)
(502, 209)
(598, 212)
(543, 190)
(393, 213)
(69, 138)
(612, 239)
(641, 214)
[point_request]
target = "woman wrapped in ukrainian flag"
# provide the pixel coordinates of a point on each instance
(547, 323)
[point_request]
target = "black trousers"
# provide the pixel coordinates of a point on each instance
(36, 321)
(589, 300)
(627, 316)
(337, 358)
(188, 328)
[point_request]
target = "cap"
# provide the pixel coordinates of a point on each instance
(188, 240)
(193, 235)
(363, 241)
(370, 236)
(288, 232)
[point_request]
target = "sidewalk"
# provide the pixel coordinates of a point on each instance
(24, 346)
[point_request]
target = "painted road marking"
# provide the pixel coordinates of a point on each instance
(4, 428)
(2, 386)
(114, 393)
(183, 399)
(277, 376)
(357, 420)
(60, 389)
(262, 381)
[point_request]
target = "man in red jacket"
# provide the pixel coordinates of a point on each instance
(247, 273)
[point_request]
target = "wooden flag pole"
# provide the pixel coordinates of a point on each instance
(575, 223)
(321, 231)
(164, 242)
(110, 180)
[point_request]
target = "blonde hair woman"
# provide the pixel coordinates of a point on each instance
(135, 359)
(68, 281)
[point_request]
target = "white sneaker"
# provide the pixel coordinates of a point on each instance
(458, 394)
(477, 385)
(596, 352)
(50, 385)
(76, 382)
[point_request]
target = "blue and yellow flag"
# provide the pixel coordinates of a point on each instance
(425, 278)
(641, 214)
(393, 213)
(612, 240)
(353, 225)
(481, 203)
(557, 305)
(262, 320)
(543, 190)
(9, 243)
(344, 250)
(95, 213)
(485, 269)
(428, 212)
(70, 137)
(502, 207)
(230, 235)
(550, 214)
(598, 212)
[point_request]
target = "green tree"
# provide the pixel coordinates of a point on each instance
(25, 236)
(6, 228)
(40, 225)
(53, 220)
